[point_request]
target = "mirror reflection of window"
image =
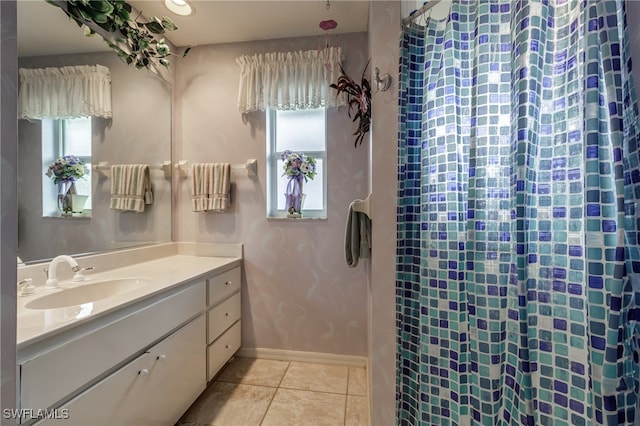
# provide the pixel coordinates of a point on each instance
(62, 137)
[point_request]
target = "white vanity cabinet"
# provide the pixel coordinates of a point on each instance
(223, 319)
(142, 364)
(167, 340)
(153, 389)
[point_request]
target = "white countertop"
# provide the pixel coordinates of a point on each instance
(164, 274)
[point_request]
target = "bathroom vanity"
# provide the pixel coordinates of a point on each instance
(137, 357)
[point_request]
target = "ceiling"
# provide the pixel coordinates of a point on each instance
(45, 30)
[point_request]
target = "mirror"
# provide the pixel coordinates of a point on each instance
(138, 133)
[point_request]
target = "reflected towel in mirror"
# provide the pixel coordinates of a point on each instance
(130, 187)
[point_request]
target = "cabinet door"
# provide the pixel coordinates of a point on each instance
(113, 401)
(62, 370)
(177, 375)
(153, 390)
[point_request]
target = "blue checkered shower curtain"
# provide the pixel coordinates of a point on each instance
(518, 217)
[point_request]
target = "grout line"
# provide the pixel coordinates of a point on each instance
(274, 394)
(244, 383)
(268, 406)
(284, 374)
(310, 390)
(346, 397)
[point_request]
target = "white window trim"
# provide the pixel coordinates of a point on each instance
(273, 173)
(59, 141)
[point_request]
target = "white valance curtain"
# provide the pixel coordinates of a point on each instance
(65, 92)
(289, 80)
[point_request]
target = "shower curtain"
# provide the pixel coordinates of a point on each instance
(518, 241)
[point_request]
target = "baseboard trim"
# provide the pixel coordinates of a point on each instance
(301, 356)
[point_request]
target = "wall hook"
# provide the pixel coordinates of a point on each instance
(382, 84)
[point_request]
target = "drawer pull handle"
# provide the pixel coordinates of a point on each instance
(143, 372)
(161, 357)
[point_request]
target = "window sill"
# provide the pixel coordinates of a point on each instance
(294, 219)
(85, 215)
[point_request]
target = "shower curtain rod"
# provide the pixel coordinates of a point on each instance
(424, 9)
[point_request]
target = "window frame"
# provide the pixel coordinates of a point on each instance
(58, 143)
(60, 139)
(274, 172)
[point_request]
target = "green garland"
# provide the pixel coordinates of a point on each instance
(134, 41)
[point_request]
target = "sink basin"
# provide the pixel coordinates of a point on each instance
(85, 293)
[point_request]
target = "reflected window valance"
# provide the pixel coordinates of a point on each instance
(65, 92)
(289, 80)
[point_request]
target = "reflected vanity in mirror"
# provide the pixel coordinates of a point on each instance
(139, 132)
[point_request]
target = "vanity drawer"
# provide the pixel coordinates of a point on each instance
(222, 316)
(223, 285)
(222, 350)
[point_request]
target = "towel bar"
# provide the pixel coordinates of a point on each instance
(251, 167)
(103, 168)
(362, 206)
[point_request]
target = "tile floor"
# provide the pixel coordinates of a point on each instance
(261, 392)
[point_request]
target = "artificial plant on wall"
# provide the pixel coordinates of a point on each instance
(358, 99)
(133, 39)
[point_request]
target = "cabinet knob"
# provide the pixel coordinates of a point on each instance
(227, 283)
(226, 314)
(143, 372)
(226, 346)
(161, 357)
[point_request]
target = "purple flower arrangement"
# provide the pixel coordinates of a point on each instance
(296, 164)
(296, 167)
(67, 169)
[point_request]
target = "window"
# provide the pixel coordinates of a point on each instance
(302, 131)
(62, 137)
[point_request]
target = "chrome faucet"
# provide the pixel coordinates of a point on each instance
(52, 280)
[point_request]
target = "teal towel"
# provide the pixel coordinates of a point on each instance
(357, 238)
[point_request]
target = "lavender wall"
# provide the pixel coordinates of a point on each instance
(298, 293)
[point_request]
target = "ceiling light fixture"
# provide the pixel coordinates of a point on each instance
(179, 7)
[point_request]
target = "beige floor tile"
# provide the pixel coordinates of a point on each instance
(357, 381)
(249, 371)
(357, 411)
(230, 404)
(316, 377)
(292, 407)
